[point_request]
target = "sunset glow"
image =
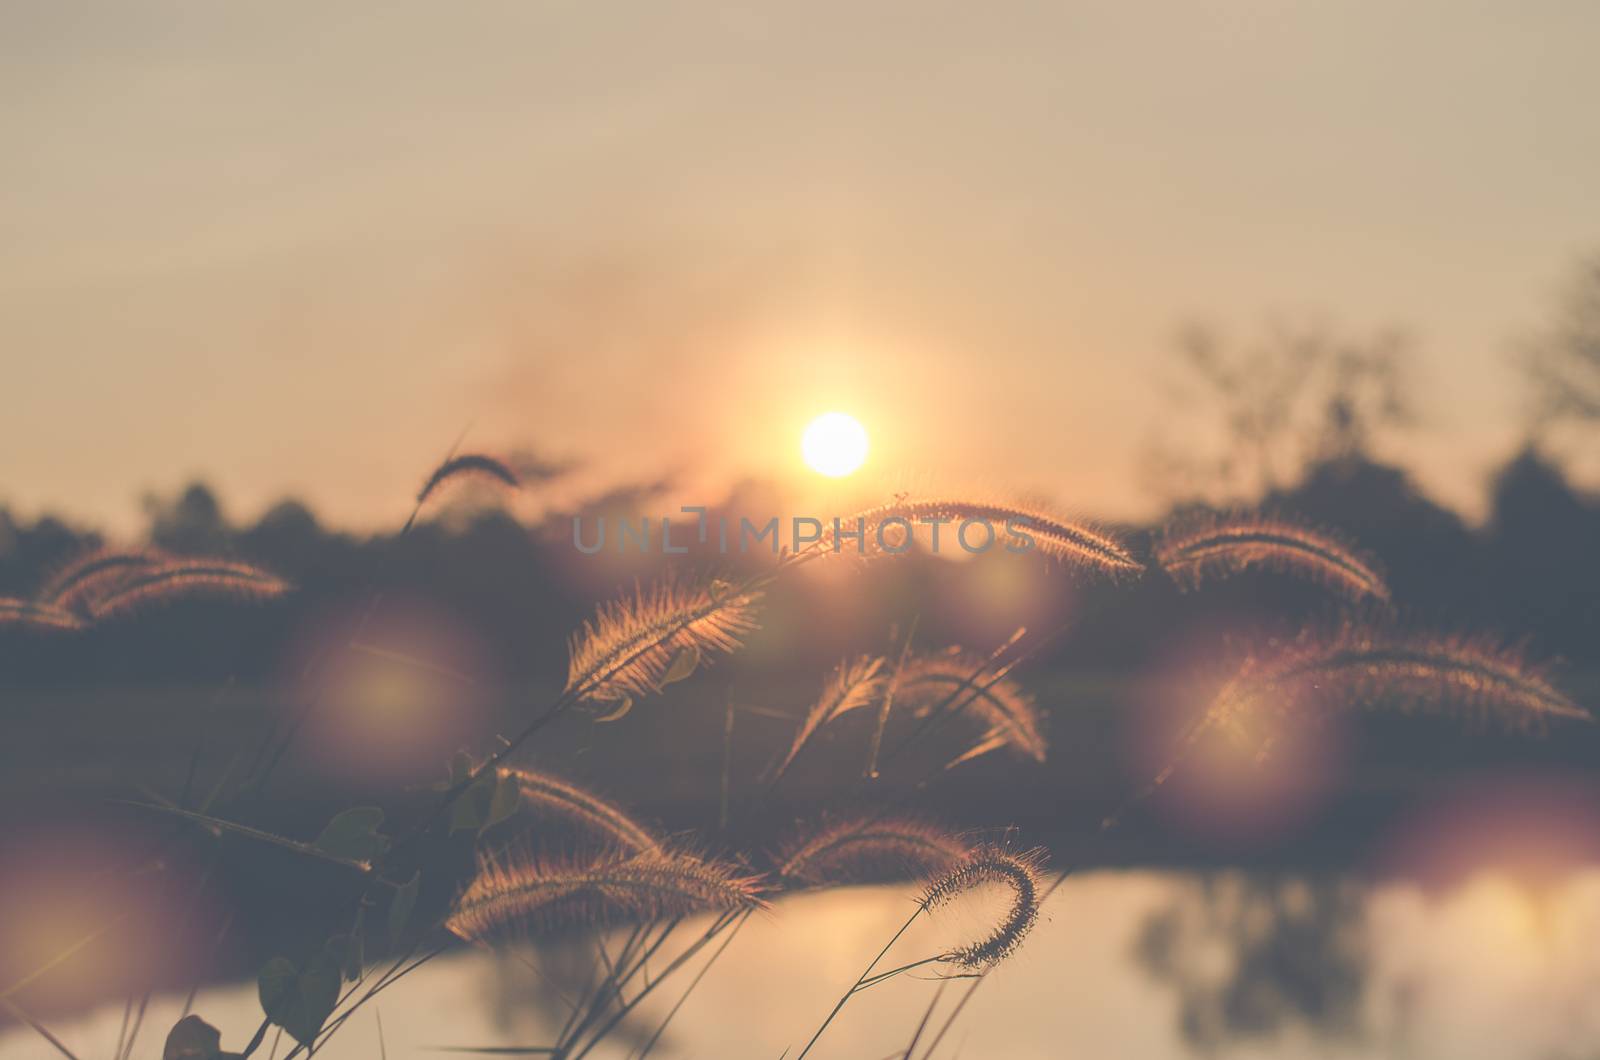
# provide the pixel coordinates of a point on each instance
(834, 444)
(686, 528)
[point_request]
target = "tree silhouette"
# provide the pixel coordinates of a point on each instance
(193, 524)
(1563, 361)
(1287, 399)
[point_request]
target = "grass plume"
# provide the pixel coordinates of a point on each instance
(529, 893)
(1070, 542)
(94, 574)
(1218, 547)
(1357, 667)
(991, 865)
(473, 464)
(178, 579)
(1010, 715)
(30, 614)
(854, 683)
(545, 794)
(868, 848)
(631, 644)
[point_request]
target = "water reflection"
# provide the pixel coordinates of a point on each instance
(1253, 956)
(1128, 964)
(531, 991)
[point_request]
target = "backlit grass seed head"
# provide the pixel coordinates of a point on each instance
(1469, 679)
(603, 820)
(869, 848)
(1073, 543)
(525, 894)
(991, 865)
(93, 575)
(630, 645)
(29, 614)
(1194, 551)
(964, 683)
(469, 464)
(179, 579)
(855, 683)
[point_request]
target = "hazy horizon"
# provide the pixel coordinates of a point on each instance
(295, 251)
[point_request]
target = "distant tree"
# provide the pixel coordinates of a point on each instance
(30, 551)
(1428, 555)
(1531, 495)
(286, 538)
(1541, 537)
(1293, 956)
(1563, 360)
(1255, 415)
(192, 524)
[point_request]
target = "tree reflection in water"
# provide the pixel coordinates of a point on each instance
(1253, 956)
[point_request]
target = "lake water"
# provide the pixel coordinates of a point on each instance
(1124, 964)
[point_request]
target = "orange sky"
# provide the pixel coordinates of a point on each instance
(297, 251)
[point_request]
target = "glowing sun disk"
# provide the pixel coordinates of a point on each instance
(834, 444)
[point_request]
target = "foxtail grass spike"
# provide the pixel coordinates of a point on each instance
(869, 848)
(545, 794)
(1357, 668)
(524, 894)
(855, 683)
(94, 574)
(475, 464)
(1194, 552)
(993, 740)
(30, 614)
(1016, 528)
(991, 865)
(958, 677)
(629, 647)
(1462, 677)
(179, 579)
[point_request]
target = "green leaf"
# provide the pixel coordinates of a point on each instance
(490, 799)
(353, 835)
(405, 900)
(192, 1038)
(274, 983)
(300, 1000)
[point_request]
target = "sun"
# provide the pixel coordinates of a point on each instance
(834, 444)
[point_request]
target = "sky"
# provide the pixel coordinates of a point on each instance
(298, 249)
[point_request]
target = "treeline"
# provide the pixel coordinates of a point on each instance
(1529, 573)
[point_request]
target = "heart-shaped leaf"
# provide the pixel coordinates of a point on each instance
(192, 1038)
(353, 835)
(300, 1000)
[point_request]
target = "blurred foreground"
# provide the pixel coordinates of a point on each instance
(1155, 965)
